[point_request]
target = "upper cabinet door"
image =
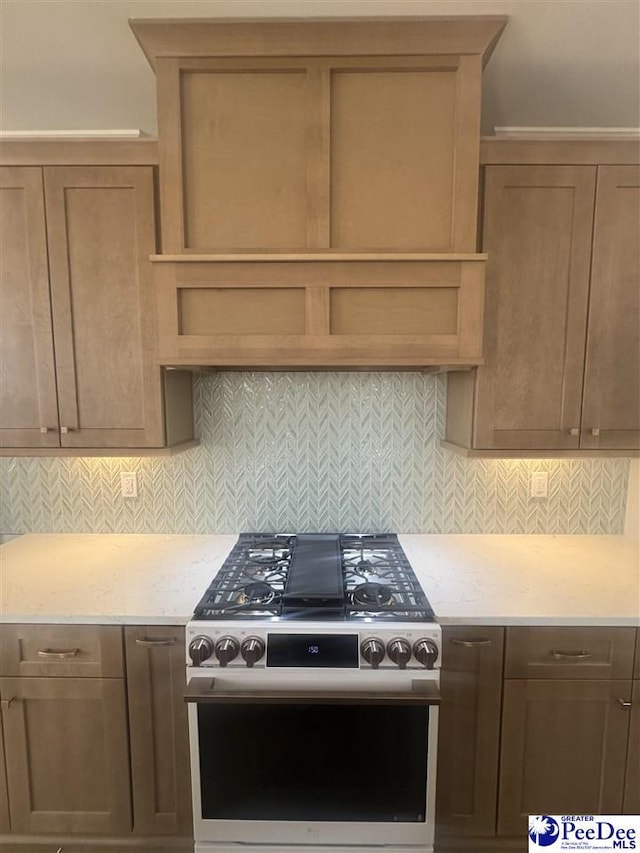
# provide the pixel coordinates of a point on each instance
(28, 410)
(537, 232)
(100, 223)
(611, 411)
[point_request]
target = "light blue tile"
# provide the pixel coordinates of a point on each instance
(314, 451)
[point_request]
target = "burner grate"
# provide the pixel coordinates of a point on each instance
(316, 576)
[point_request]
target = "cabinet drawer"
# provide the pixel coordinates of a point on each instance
(61, 650)
(570, 652)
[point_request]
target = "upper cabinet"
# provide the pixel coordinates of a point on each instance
(611, 401)
(78, 359)
(319, 190)
(562, 350)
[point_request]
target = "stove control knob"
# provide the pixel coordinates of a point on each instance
(200, 649)
(426, 652)
(226, 650)
(399, 651)
(252, 649)
(372, 650)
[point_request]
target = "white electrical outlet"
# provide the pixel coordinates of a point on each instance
(539, 485)
(129, 484)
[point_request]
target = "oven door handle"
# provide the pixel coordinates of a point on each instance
(203, 690)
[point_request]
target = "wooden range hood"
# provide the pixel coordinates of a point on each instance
(319, 183)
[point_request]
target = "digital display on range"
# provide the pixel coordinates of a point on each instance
(319, 650)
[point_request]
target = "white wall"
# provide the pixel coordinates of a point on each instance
(75, 63)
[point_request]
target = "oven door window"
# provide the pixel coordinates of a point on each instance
(313, 762)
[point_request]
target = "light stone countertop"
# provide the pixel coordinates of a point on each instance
(144, 579)
(528, 579)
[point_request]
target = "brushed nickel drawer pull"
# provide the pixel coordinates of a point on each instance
(52, 654)
(5, 704)
(595, 431)
(149, 641)
(574, 431)
(623, 702)
(470, 644)
(571, 655)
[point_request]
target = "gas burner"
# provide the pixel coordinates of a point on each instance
(268, 553)
(371, 595)
(257, 593)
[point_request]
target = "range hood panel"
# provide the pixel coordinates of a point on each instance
(322, 145)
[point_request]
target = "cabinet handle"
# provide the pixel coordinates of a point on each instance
(470, 644)
(6, 703)
(44, 430)
(58, 655)
(571, 655)
(595, 431)
(574, 431)
(65, 430)
(623, 702)
(147, 641)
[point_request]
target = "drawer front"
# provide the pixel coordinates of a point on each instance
(61, 651)
(600, 653)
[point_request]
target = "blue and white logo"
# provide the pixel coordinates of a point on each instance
(583, 832)
(543, 830)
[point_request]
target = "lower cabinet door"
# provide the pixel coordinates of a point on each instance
(159, 731)
(469, 731)
(67, 755)
(564, 749)
(632, 783)
(5, 823)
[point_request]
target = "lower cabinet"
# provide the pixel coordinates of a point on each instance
(564, 748)
(92, 761)
(4, 797)
(471, 687)
(160, 770)
(560, 734)
(66, 755)
(631, 804)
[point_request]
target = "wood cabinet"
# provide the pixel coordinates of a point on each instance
(64, 726)
(5, 822)
(92, 758)
(160, 768)
(611, 399)
(76, 281)
(67, 755)
(632, 783)
(469, 731)
(565, 726)
(562, 347)
(564, 748)
(559, 735)
(27, 366)
(631, 803)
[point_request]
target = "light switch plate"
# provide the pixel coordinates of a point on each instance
(129, 484)
(539, 484)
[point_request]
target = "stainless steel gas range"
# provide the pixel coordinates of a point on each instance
(313, 683)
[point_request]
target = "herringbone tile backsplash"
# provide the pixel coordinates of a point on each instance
(314, 452)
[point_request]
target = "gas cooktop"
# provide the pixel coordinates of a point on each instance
(316, 576)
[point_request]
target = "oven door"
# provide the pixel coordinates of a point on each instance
(301, 766)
